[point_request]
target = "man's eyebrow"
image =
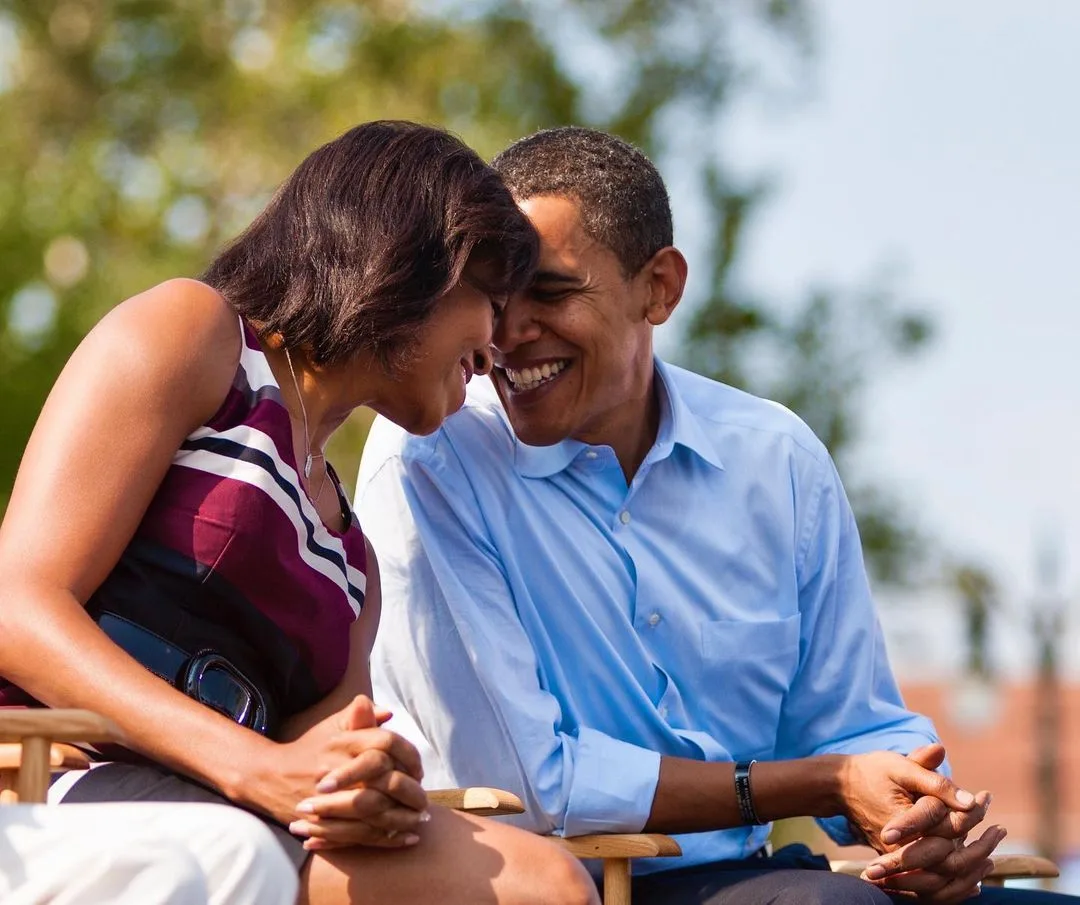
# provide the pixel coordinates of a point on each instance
(553, 276)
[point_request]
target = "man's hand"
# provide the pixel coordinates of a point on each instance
(881, 792)
(936, 869)
(933, 862)
(931, 816)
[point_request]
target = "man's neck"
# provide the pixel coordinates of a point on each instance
(631, 431)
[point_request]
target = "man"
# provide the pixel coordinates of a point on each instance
(143, 854)
(612, 586)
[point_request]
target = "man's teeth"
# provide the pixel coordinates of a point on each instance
(531, 378)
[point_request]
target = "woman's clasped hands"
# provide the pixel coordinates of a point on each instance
(346, 781)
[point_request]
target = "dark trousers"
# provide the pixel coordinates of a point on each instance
(792, 876)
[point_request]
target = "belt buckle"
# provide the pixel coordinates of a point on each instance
(252, 712)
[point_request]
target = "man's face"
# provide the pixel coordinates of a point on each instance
(574, 350)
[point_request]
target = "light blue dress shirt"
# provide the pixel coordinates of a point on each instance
(548, 629)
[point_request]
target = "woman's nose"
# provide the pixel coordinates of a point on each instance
(482, 363)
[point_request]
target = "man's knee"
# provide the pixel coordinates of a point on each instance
(824, 888)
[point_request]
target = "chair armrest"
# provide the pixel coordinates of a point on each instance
(1006, 867)
(478, 800)
(61, 757)
(19, 723)
(620, 845)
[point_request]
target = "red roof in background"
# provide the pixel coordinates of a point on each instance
(999, 753)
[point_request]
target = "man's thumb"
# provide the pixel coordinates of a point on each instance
(929, 756)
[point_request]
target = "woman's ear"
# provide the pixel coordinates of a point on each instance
(665, 274)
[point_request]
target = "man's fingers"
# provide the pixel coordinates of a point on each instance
(919, 782)
(932, 817)
(957, 824)
(951, 880)
(929, 756)
(926, 852)
(927, 813)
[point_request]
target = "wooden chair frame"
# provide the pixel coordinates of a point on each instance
(35, 743)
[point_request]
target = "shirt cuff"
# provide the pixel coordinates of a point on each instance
(613, 786)
(840, 831)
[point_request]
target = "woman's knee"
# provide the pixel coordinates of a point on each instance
(566, 881)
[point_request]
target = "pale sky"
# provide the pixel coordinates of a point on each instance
(944, 135)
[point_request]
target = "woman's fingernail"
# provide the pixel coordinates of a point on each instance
(889, 837)
(410, 840)
(300, 828)
(313, 845)
(965, 798)
(307, 806)
(326, 784)
(425, 816)
(875, 872)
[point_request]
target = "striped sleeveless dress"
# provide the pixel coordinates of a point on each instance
(231, 554)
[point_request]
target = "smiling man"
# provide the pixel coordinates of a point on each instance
(635, 596)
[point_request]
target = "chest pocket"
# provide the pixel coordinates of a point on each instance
(747, 669)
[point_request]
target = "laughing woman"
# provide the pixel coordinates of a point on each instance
(179, 556)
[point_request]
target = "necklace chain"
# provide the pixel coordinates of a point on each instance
(307, 437)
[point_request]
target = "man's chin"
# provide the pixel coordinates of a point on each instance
(533, 432)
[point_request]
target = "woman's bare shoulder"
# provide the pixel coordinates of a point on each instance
(177, 335)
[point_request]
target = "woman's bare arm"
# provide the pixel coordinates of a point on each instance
(154, 369)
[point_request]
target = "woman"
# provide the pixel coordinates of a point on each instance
(174, 518)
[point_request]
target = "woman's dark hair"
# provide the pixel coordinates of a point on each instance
(356, 247)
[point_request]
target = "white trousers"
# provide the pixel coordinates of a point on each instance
(145, 853)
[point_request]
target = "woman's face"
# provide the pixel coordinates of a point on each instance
(452, 346)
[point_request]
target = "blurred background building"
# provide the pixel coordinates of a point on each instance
(879, 205)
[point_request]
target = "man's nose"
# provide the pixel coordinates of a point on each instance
(515, 326)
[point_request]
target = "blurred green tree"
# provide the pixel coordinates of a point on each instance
(136, 136)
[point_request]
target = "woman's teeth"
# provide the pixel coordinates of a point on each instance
(531, 378)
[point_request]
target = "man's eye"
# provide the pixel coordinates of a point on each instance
(548, 295)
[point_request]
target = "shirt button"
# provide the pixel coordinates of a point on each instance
(624, 517)
(591, 454)
(663, 711)
(654, 619)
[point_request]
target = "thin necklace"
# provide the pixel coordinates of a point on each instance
(307, 438)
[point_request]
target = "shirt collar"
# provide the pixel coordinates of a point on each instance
(678, 425)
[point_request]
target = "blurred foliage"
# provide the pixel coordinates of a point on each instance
(136, 136)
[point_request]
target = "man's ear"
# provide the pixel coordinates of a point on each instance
(665, 276)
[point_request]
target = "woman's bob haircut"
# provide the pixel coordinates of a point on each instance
(355, 249)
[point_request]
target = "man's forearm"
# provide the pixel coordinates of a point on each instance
(696, 796)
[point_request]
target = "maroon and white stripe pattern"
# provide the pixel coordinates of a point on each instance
(232, 502)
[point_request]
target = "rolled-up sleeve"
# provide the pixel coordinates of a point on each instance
(453, 654)
(844, 699)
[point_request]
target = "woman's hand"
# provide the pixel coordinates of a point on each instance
(383, 804)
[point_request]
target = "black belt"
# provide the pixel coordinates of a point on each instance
(207, 676)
